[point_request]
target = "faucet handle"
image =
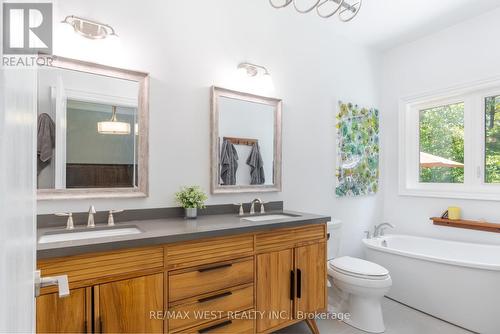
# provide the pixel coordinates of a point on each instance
(63, 214)
(111, 219)
(69, 224)
(262, 208)
(242, 211)
(368, 234)
(90, 220)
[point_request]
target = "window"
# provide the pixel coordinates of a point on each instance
(492, 140)
(442, 144)
(450, 143)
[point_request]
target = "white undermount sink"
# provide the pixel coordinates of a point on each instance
(268, 217)
(87, 234)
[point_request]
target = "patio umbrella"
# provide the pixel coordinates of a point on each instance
(429, 161)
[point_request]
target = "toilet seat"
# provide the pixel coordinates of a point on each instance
(358, 268)
(360, 282)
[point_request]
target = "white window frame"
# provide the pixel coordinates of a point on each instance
(474, 187)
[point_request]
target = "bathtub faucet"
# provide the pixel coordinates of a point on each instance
(379, 229)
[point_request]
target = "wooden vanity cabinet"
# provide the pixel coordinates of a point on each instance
(277, 273)
(275, 289)
(125, 306)
(115, 307)
(290, 284)
(310, 271)
(110, 292)
(291, 277)
(62, 315)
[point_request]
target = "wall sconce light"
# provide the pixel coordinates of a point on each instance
(254, 71)
(88, 28)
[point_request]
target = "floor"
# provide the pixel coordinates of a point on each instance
(399, 319)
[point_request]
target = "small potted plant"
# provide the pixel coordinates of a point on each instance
(191, 199)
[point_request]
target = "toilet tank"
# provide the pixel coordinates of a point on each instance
(334, 232)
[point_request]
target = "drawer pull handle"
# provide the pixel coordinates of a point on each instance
(215, 268)
(222, 295)
(225, 294)
(292, 285)
(299, 283)
(211, 328)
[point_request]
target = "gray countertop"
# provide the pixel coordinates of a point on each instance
(169, 230)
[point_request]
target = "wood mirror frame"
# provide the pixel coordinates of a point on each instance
(142, 189)
(277, 104)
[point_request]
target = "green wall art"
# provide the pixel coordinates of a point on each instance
(358, 152)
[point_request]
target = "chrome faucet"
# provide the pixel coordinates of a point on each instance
(90, 220)
(379, 229)
(258, 201)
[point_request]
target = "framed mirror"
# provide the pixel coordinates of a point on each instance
(92, 131)
(245, 142)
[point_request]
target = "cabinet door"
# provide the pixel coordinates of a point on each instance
(274, 289)
(62, 315)
(125, 306)
(310, 268)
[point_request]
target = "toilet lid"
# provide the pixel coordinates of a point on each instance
(359, 267)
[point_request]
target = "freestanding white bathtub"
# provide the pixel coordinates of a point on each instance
(454, 281)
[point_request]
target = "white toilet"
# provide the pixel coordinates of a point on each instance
(358, 286)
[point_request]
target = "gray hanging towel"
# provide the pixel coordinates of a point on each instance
(46, 137)
(228, 163)
(256, 166)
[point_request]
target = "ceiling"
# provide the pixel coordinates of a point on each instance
(384, 24)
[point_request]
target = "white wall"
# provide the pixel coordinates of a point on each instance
(188, 46)
(461, 54)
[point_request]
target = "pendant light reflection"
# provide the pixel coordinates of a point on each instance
(113, 126)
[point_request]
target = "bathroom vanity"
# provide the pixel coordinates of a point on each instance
(221, 273)
(218, 274)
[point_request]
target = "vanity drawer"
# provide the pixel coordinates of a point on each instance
(213, 277)
(223, 326)
(289, 238)
(215, 305)
(90, 267)
(196, 253)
